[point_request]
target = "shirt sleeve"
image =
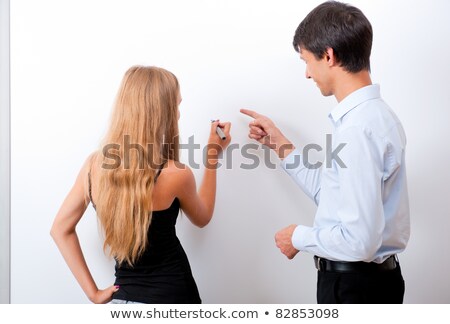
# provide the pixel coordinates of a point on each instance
(357, 234)
(308, 179)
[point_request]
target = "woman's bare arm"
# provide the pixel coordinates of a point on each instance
(65, 236)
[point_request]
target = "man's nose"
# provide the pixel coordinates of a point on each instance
(307, 75)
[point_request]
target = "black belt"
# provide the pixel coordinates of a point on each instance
(340, 266)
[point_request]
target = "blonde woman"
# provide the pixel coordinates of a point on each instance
(137, 186)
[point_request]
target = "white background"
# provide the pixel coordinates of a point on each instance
(5, 174)
(67, 60)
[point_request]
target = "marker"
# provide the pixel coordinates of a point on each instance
(219, 131)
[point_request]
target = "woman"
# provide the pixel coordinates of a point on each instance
(137, 186)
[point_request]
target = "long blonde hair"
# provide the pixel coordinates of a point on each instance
(145, 111)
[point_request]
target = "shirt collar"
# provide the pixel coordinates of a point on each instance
(353, 100)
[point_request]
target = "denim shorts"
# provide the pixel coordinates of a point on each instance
(121, 301)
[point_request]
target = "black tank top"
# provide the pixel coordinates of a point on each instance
(162, 274)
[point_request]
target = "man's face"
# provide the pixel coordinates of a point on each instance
(318, 70)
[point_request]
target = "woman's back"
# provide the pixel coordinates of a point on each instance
(162, 274)
(164, 190)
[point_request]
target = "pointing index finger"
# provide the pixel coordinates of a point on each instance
(250, 113)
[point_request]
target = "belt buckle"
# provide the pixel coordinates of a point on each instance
(319, 267)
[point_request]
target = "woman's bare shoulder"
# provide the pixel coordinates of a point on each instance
(178, 172)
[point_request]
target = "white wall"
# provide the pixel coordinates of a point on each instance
(68, 58)
(5, 152)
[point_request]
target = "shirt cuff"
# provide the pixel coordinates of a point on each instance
(292, 162)
(301, 236)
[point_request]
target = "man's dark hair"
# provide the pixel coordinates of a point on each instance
(341, 27)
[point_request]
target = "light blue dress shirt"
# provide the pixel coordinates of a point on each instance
(363, 209)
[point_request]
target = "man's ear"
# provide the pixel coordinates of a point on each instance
(330, 57)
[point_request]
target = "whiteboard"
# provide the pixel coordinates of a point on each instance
(5, 153)
(67, 60)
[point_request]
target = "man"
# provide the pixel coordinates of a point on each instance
(362, 219)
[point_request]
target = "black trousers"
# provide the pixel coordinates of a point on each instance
(384, 287)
